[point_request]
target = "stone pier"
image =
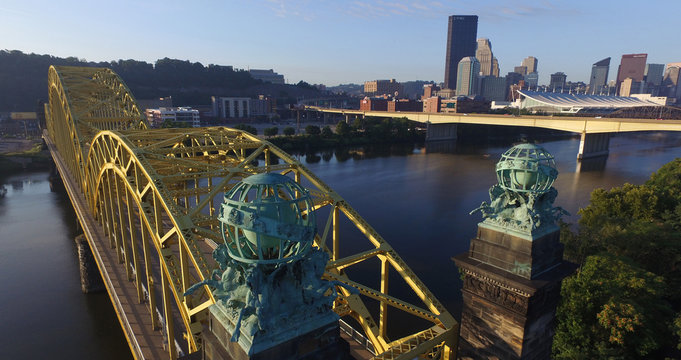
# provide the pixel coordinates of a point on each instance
(320, 342)
(510, 292)
(90, 278)
(513, 269)
(593, 145)
(437, 132)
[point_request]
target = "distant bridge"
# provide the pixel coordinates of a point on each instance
(594, 130)
(146, 200)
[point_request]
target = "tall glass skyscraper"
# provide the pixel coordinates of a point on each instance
(467, 76)
(462, 32)
(599, 76)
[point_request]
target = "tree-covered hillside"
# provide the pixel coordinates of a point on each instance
(23, 80)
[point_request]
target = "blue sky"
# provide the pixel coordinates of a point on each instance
(334, 42)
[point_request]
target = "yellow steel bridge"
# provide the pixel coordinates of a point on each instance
(149, 198)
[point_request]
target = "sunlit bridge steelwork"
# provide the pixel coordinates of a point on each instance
(148, 202)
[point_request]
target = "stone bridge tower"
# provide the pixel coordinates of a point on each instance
(513, 269)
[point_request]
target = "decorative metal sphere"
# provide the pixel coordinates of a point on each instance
(267, 219)
(526, 168)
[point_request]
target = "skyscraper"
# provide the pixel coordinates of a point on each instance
(522, 70)
(461, 35)
(557, 81)
(532, 79)
(653, 74)
(599, 76)
(671, 79)
(632, 66)
(495, 67)
(530, 63)
(467, 76)
(653, 78)
(485, 56)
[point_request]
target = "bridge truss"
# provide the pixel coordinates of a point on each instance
(155, 193)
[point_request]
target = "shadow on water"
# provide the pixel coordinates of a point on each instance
(44, 311)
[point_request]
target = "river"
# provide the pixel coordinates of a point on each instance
(416, 198)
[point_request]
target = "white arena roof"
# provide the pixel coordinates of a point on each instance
(580, 101)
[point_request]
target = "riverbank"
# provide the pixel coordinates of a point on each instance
(19, 154)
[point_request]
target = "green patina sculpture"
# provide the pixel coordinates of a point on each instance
(522, 201)
(269, 285)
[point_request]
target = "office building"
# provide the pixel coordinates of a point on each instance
(175, 115)
(431, 104)
(530, 63)
(404, 105)
(382, 87)
(632, 66)
(629, 87)
(267, 76)
(485, 57)
(495, 67)
(242, 107)
(463, 104)
(493, 88)
(599, 76)
(430, 90)
(557, 81)
(522, 70)
(467, 76)
(373, 104)
(670, 83)
(532, 79)
(653, 74)
(461, 34)
(513, 78)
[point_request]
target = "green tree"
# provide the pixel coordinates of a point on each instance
(312, 130)
(289, 131)
(677, 329)
(342, 128)
(326, 132)
(272, 131)
(611, 309)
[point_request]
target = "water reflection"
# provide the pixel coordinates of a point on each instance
(41, 294)
(591, 164)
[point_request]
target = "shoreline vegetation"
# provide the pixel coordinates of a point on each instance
(23, 155)
(368, 131)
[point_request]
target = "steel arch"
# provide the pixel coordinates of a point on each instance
(154, 190)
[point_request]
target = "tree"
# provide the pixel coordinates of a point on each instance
(342, 128)
(326, 132)
(272, 131)
(289, 131)
(312, 130)
(611, 309)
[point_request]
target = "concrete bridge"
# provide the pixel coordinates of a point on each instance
(147, 202)
(595, 131)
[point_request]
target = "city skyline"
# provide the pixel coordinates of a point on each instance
(330, 43)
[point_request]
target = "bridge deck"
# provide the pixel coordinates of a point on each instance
(135, 320)
(588, 125)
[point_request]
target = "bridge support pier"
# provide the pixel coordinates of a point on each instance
(511, 287)
(437, 132)
(593, 145)
(90, 279)
(56, 183)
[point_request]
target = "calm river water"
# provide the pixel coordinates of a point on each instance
(418, 199)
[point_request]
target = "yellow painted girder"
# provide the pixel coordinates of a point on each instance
(99, 129)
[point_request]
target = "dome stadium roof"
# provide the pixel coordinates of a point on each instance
(580, 101)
